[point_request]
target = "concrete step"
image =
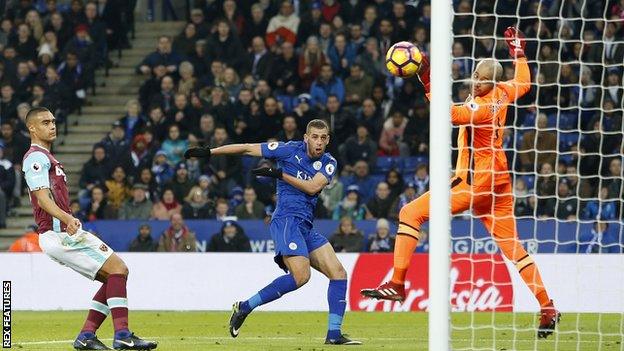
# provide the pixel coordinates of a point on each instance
(98, 119)
(75, 157)
(117, 71)
(20, 222)
(129, 89)
(67, 151)
(118, 99)
(82, 139)
(94, 129)
(99, 109)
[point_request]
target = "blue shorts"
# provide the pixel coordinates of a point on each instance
(294, 236)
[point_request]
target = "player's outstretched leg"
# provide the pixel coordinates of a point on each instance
(87, 340)
(299, 268)
(324, 260)
(115, 273)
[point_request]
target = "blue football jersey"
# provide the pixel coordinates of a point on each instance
(293, 159)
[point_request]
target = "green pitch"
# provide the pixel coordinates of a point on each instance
(306, 331)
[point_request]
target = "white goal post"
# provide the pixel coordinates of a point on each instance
(440, 166)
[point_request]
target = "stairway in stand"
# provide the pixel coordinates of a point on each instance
(107, 106)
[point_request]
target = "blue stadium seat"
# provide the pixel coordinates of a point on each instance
(567, 140)
(378, 178)
(529, 180)
(568, 121)
(410, 163)
(384, 164)
(529, 120)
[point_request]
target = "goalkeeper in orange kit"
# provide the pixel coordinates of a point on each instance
(481, 182)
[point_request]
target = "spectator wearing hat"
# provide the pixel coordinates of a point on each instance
(409, 194)
(347, 238)
(118, 187)
(351, 205)
(197, 205)
(178, 237)
(161, 168)
(137, 207)
(181, 184)
(250, 208)
(379, 206)
(362, 179)
(82, 45)
(358, 147)
(143, 241)
(115, 143)
(139, 157)
(99, 208)
(231, 238)
(381, 240)
(174, 146)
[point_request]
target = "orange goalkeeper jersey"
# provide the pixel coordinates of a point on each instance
(481, 159)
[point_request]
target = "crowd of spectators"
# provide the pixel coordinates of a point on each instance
(49, 52)
(256, 72)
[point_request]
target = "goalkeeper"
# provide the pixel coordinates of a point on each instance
(482, 181)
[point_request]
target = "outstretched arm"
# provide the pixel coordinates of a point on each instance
(521, 84)
(231, 149)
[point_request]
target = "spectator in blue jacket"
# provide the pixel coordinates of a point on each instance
(601, 209)
(362, 179)
(341, 55)
(326, 84)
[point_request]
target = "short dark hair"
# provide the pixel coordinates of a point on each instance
(35, 111)
(318, 124)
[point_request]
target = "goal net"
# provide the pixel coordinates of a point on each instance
(563, 142)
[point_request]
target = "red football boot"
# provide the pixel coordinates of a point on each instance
(549, 317)
(386, 291)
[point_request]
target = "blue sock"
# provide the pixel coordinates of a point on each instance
(85, 335)
(336, 297)
(122, 334)
(273, 291)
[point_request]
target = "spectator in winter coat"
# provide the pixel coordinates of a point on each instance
(137, 207)
(283, 26)
(197, 205)
(347, 238)
(178, 237)
(143, 241)
(231, 238)
(379, 206)
(381, 240)
(166, 207)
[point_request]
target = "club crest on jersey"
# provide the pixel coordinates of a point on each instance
(329, 169)
(103, 248)
(36, 167)
(292, 246)
(317, 165)
(272, 145)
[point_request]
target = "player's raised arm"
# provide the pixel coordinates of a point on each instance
(231, 149)
(521, 84)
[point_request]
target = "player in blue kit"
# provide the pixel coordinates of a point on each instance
(303, 170)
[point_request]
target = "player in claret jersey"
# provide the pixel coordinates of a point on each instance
(482, 182)
(303, 170)
(62, 238)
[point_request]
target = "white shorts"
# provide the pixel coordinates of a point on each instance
(85, 255)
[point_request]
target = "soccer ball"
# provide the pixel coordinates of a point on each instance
(403, 59)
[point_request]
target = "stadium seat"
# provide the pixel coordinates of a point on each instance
(384, 164)
(567, 140)
(410, 163)
(568, 121)
(529, 180)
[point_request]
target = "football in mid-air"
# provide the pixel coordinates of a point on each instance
(403, 59)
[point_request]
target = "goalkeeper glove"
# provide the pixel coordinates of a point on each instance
(268, 172)
(516, 42)
(424, 73)
(200, 152)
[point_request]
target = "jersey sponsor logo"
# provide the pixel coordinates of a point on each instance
(479, 282)
(303, 175)
(272, 145)
(317, 165)
(292, 246)
(329, 168)
(36, 167)
(298, 158)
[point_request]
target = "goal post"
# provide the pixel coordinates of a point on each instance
(440, 166)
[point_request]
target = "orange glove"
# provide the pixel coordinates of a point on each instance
(516, 42)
